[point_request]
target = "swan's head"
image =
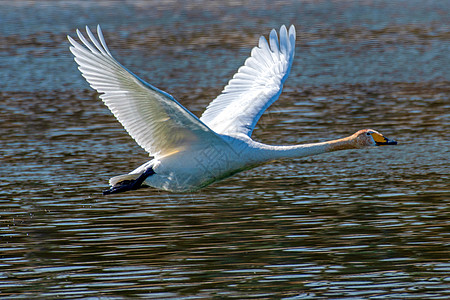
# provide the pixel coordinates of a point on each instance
(370, 137)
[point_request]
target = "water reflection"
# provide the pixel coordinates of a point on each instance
(159, 244)
(367, 224)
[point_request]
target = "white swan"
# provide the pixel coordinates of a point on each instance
(190, 153)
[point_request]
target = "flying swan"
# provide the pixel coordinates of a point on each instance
(189, 153)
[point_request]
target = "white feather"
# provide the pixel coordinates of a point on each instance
(255, 86)
(157, 122)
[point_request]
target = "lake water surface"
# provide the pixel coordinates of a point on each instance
(368, 224)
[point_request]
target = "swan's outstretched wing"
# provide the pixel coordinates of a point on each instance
(255, 86)
(157, 122)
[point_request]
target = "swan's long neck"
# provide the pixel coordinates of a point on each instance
(270, 153)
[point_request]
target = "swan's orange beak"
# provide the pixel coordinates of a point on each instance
(381, 140)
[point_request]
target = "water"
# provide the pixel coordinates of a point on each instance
(366, 224)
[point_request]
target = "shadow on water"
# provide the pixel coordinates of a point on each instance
(357, 224)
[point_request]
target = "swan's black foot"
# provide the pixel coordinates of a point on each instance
(129, 185)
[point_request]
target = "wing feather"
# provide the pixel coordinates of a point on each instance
(152, 117)
(255, 86)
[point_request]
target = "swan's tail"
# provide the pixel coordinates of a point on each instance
(128, 182)
(121, 178)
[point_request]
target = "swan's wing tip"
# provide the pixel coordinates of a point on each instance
(292, 27)
(255, 86)
(137, 105)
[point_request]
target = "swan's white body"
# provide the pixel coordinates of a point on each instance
(190, 153)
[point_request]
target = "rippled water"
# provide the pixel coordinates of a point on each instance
(364, 224)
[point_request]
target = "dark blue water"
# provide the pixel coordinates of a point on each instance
(370, 224)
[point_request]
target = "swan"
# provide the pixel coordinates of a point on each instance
(189, 153)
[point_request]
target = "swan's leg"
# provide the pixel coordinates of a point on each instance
(129, 185)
